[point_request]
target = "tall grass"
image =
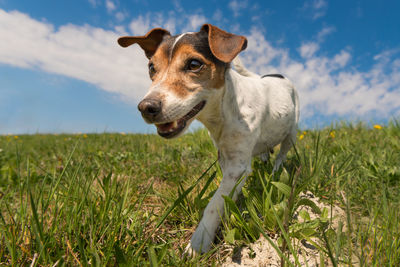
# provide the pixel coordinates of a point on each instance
(114, 199)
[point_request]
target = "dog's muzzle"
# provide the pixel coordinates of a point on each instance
(151, 108)
(174, 128)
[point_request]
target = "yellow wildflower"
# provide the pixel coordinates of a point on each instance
(377, 126)
(304, 132)
(301, 136)
(16, 137)
(332, 134)
(85, 136)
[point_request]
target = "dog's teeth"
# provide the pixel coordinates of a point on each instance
(173, 126)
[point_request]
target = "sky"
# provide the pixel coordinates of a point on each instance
(61, 69)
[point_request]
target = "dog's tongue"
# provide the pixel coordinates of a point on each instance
(166, 127)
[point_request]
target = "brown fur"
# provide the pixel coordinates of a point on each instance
(149, 42)
(160, 61)
(224, 45)
(182, 82)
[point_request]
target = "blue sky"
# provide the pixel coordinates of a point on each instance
(61, 69)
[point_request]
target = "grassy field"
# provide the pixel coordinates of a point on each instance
(135, 200)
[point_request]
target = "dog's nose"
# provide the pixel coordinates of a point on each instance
(150, 107)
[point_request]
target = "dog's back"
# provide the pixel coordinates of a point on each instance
(272, 103)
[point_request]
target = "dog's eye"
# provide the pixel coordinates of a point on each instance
(194, 65)
(152, 70)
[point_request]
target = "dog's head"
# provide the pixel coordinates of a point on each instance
(186, 70)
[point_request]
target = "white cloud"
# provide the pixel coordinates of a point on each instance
(307, 50)
(237, 6)
(178, 6)
(319, 4)
(195, 21)
(140, 25)
(110, 6)
(120, 16)
(260, 53)
(82, 52)
(93, 3)
(143, 23)
(325, 32)
(317, 8)
(327, 85)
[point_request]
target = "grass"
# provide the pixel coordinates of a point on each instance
(128, 200)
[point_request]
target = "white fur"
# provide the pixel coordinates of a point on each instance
(247, 117)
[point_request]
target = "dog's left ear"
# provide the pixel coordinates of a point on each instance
(224, 45)
(149, 42)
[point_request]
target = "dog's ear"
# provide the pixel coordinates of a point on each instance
(224, 45)
(148, 42)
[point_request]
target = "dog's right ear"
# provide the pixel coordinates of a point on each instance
(149, 42)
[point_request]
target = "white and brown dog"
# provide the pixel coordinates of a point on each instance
(245, 114)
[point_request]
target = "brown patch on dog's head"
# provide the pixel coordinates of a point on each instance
(188, 70)
(158, 62)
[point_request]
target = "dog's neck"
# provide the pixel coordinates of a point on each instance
(214, 117)
(211, 116)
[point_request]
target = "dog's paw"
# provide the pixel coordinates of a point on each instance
(200, 242)
(190, 252)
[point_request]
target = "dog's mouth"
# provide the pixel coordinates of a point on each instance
(173, 128)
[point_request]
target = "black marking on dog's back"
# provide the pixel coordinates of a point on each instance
(280, 76)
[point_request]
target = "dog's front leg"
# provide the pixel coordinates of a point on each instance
(233, 168)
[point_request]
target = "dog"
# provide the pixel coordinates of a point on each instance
(246, 114)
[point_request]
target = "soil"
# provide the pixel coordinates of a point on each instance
(262, 253)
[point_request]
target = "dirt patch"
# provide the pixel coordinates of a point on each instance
(262, 253)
